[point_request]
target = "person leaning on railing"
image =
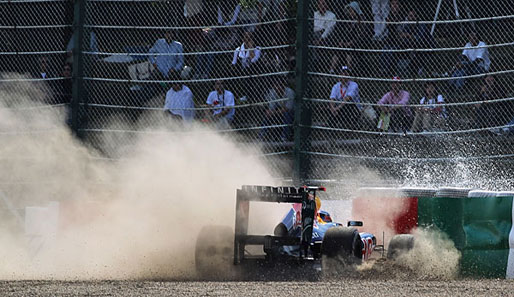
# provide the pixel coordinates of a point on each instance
(398, 113)
(345, 108)
(430, 117)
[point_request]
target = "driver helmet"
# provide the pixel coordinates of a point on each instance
(325, 216)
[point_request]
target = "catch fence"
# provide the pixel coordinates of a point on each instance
(409, 91)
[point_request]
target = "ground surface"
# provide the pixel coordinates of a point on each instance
(352, 287)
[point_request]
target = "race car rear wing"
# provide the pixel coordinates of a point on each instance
(304, 195)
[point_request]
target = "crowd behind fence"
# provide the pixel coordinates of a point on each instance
(388, 84)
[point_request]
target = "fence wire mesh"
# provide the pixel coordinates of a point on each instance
(418, 90)
(394, 86)
(227, 64)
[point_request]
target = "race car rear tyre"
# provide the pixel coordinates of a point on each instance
(214, 252)
(344, 243)
(399, 245)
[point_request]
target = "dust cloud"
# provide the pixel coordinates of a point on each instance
(433, 256)
(136, 217)
(378, 211)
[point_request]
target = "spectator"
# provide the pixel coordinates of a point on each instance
(53, 91)
(412, 36)
(192, 11)
(64, 93)
(494, 114)
(431, 117)
(280, 109)
(179, 101)
(280, 59)
(277, 59)
(251, 13)
(167, 56)
(474, 60)
(324, 23)
(354, 34)
(380, 9)
(392, 40)
(345, 109)
(193, 17)
(246, 55)
(204, 62)
(244, 63)
(476, 55)
(43, 71)
(223, 102)
(399, 113)
(219, 38)
(458, 72)
(43, 74)
(228, 12)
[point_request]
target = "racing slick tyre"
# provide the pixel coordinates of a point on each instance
(399, 245)
(342, 244)
(214, 252)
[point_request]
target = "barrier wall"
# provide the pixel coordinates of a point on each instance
(487, 222)
(480, 223)
(397, 208)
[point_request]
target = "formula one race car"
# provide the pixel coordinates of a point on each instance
(306, 234)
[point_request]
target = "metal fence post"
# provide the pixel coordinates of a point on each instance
(302, 116)
(78, 64)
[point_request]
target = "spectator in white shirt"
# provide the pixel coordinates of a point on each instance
(380, 9)
(246, 62)
(474, 60)
(324, 22)
(179, 102)
(345, 109)
(476, 55)
(223, 102)
(430, 117)
(247, 54)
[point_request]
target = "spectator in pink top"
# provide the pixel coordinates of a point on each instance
(401, 115)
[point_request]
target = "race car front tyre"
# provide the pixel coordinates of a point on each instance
(400, 244)
(214, 252)
(343, 243)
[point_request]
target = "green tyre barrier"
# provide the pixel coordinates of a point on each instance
(487, 224)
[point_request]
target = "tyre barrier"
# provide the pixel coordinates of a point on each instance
(480, 223)
(481, 194)
(411, 216)
(397, 207)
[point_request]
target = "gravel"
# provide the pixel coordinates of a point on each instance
(343, 287)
